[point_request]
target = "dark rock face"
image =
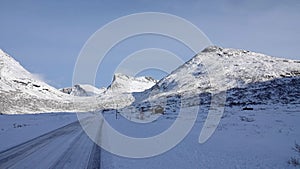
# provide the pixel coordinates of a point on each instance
(283, 91)
(212, 49)
(66, 90)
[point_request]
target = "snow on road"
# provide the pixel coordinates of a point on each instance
(66, 147)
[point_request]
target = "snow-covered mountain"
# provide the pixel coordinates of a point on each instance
(242, 74)
(120, 84)
(126, 84)
(121, 92)
(14, 77)
(22, 92)
(83, 90)
(246, 77)
(238, 68)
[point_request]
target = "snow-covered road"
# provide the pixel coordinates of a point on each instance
(65, 147)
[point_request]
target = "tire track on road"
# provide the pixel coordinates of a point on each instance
(78, 152)
(95, 157)
(16, 153)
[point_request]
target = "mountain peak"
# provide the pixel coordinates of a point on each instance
(14, 77)
(83, 90)
(228, 68)
(5, 56)
(212, 48)
(120, 76)
(124, 83)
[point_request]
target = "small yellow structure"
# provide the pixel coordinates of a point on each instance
(158, 110)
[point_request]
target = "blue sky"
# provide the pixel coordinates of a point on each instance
(47, 36)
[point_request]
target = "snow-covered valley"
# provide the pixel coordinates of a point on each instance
(260, 138)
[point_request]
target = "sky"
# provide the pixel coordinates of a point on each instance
(47, 36)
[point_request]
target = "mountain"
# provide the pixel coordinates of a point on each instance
(120, 84)
(121, 92)
(259, 127)
(83, 90)
(14, 77)
(126, 84)
(238, 68)
(245, 77)
(22, 92)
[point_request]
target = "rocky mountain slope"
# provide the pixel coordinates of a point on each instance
(83, 90)
(22, 92)
(246, 78)
(238, 68)
(126, 84)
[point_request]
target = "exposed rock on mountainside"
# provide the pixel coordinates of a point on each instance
(246, 77)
